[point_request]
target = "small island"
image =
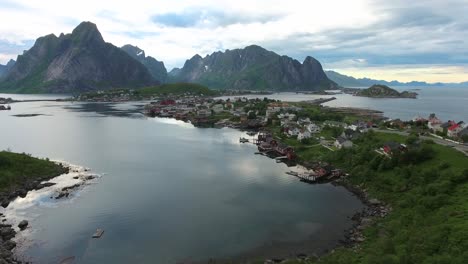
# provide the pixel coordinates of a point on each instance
(383, 91)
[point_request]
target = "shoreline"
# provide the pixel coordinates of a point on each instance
(8, 230)
(353, 236)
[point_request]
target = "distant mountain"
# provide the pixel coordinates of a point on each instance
(73, 63)
(5, 68)
(253, 68)
(155, 67)
(349, 81)
(343, 80)
(383, 91)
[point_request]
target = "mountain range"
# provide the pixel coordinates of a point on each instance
(73, 63)
(349, 81)
(253, 68)
(83, 61)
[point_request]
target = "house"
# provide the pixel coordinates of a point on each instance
(167, 102)
(313, 128)
(285, 150)
(447, 124)
(392, 147)
(303, 135)
(293, 131)
(217, 108)
(342, 142)
(287, 115)
(435, 124)
(303, 121)
(203, 112)
(350, 134)
(271, 111)
(453, 130)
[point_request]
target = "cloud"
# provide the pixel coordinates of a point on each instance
(208, 17)
(341, 34)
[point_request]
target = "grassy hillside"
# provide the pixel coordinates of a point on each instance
(427, 188)
(15, 168)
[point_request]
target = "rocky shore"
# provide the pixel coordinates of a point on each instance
(374, 210)
(9, 231)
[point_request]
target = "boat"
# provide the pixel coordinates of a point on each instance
(243, 140)
(98, 233)
(293, 173)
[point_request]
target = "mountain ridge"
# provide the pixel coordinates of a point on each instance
(155, 67)
(73, 63)
(349, 81)
(5, 68)
(253, 68)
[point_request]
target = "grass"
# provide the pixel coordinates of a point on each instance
(15, 168)
(427, 189)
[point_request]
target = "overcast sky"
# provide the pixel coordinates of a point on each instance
(423, 40)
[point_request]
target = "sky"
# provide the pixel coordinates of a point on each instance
(424, 40)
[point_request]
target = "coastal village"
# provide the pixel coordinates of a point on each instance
(277, 128)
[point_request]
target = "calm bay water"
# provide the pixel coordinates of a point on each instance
(169, 192)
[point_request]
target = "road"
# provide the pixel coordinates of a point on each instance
(460, 147)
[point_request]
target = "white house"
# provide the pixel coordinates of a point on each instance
(293, 131)
(313, 128)
(303, 135)
(342, 142)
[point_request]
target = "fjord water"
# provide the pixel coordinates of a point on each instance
(169, 192)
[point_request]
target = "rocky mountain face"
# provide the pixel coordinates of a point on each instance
(253, 68)
(155, 67)
(73, 63)
(5, 68)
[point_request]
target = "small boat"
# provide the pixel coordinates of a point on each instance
(243, 140)
(98, 233)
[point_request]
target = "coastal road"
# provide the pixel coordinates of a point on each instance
(460, 147)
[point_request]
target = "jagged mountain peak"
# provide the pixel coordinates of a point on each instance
(87, 32)
(155, 67)
(253, 68)
(74, 63)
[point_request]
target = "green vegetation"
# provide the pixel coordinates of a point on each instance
(176, 89)
(16, 168)
(427, 188)
(383, 91)
(165, 90)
